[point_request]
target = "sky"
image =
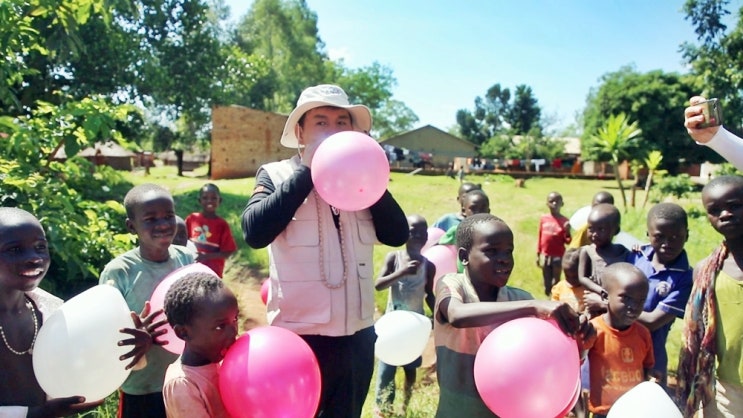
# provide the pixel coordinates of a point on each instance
(445, 53)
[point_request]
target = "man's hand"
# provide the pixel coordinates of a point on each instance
(693, 116)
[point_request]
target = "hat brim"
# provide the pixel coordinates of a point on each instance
(360, 118)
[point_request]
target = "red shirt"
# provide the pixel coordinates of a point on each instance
(553, 235)
(210, 235)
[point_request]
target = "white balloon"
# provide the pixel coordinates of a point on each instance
(77, 353)
(401, 337)
(627, 240)
(580, 217)
(646, 400)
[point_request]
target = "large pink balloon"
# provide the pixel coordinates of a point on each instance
(444, 257)
(514, 376)
(270, 372)
(157, 301)
(350, 170)
(434, 234)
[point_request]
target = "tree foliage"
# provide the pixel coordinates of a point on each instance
(718, 57)
(653, 100)
(75, 201)
(615, 142)
(497, 113)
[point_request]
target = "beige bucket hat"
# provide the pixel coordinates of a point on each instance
(319, 96)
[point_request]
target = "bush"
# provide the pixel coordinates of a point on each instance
(77, 203)
(679, 186)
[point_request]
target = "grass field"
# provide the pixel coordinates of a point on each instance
(433, 196)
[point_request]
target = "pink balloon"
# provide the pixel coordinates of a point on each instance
(350, 170)
(270, 372)
(264, 291)
(434, 235)
(157, 301)
(514, 376)
(444, 257)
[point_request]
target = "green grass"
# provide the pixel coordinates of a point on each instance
(433, 196)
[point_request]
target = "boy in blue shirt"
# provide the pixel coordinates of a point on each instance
(666, 265)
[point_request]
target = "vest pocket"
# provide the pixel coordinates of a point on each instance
(366, 290)
(305, 302)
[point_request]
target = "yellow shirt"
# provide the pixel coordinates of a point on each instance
(729, 294)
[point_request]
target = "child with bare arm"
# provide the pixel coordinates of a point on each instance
(603, 224)
(24, 262)
(471, 304)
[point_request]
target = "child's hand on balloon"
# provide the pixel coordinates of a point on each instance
(586, 332)
(566, 318)
(144, 334)
(62, 407)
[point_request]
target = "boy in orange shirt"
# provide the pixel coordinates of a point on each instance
(621, 356)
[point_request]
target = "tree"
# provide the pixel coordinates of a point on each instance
(653, 100)
(615, 141)
(285, 34)
(495, 113)
(718, 57)
(652, 162)
(487, 118)
(524, 114)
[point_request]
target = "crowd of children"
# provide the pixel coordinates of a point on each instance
(619, 303)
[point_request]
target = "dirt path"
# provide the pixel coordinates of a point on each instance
(253, 311)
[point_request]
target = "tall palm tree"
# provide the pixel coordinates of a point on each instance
(615, 139)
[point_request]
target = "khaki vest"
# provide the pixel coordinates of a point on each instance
(300, 298)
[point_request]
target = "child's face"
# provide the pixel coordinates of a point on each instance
(724, 206)
(626, 299)
(213, 328)
(154, 222)
(418, 233)
(490, 260)
(601, 228)
(209, 200)
(667, 238)
(554, 202)
(474, 204)
(24, 255)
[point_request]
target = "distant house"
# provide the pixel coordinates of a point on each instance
(109, 153)
(428, 142)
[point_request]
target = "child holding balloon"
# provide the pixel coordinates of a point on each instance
(150, 215)
(24, 261)
(710, 371)
(470, 305)
(203, 312)
(409, 276)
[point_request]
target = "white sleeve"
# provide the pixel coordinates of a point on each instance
(729, 146)
(13, 411)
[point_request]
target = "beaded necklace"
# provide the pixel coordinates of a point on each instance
(30, 349)
(324, 277)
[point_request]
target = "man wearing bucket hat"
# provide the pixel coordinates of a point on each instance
(320, 258)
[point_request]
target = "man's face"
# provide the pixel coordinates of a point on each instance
(321, 122)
